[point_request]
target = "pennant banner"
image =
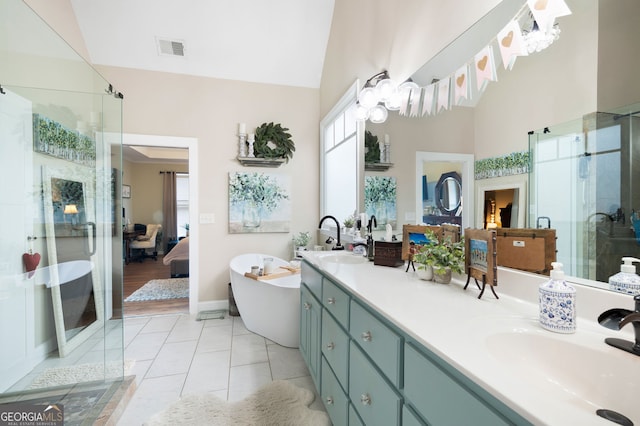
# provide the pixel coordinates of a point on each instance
(511, 44)
(443, 94)
(545, 12)
(461, 87)
(428, 99)
(485, 68)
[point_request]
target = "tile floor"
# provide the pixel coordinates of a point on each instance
(176, 355)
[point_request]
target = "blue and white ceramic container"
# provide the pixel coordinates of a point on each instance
(557, 301)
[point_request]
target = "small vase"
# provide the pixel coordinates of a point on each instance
(424, 272)
(444, 277)
(251, 215)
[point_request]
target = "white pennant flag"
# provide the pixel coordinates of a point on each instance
(511, 44)
(546, 11)
(485, 68)
(428, 99)
(443, 94)
(415, 101)
(461, 86)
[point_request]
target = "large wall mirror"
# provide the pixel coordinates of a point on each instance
(76, 291)
(444, 188)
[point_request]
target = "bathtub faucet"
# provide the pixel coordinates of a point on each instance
(338, 246)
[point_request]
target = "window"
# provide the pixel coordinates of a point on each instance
(182, 204)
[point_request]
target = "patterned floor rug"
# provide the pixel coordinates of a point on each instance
(277, 403)
(170, 288)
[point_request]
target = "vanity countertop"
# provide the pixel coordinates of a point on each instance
(546, 377)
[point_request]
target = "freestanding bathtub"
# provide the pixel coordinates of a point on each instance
(270, 308)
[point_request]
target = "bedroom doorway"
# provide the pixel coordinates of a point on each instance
(145, 159)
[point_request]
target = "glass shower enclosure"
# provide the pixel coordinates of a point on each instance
(582, 182)
(60, 246)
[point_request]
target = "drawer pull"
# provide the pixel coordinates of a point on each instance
(330, 346)
(366, 336)
(331, 300)
(307, 305)
(329, 400)
(365, 399)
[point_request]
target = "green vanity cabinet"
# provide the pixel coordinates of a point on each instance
(375, 400)
(335, 400)
(370, 372)
(379, 342)
(310, 329)
(335, 348)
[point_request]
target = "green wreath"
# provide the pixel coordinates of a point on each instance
(273, 141)
(372, 148)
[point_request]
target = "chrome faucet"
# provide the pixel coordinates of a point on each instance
(617, 318)
(338, 246)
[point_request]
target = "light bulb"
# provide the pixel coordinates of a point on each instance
(378, 114)
(368, 97)
(385, 89)
(361, 113)
(394, 101)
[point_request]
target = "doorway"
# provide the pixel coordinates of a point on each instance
(165, 151)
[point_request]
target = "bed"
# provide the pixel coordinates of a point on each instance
(178, 259)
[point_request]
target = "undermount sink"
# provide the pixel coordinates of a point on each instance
(591, 377)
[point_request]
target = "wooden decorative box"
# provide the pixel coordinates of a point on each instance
(388, 253)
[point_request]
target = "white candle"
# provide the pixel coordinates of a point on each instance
(242, 128)
(252, 137)
(386, 140)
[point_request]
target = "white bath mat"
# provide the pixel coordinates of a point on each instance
(72, 374)
(277, 403)
(170, 288)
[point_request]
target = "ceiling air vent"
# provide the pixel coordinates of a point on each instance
(168, 47)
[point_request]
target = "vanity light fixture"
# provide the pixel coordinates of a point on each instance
(538, 39)
(381, 94)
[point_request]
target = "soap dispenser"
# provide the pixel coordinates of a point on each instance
(626, 281)
(557, 302)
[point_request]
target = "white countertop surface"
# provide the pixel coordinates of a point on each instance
(546, 377)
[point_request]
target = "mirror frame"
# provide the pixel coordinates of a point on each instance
(444, 178)
(85, 176)
(519, 182)
(467, 178)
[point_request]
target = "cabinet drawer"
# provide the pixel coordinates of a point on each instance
(336, 301)
(334, 399)
(354, 420)
(438, 397)
(335, 348)
(373, 398)
(377, 340)
(409, 418)
(312, 279)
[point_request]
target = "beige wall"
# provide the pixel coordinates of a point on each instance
(146, 190)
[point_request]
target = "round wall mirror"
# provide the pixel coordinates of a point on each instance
(448, 193)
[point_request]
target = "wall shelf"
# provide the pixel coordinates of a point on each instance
(261, 162)
(377, 167)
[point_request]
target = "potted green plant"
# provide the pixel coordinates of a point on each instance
(448, 257)
(300, 242)
(349, 222)
(423, 258)
(443, 257)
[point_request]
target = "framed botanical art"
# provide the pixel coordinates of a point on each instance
(259, 202)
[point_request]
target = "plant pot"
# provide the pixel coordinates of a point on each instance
(442, 276)
(424, 272)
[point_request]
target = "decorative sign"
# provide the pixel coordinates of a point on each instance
(461, 88)
(511, 44)
(481, 258)
(485, 68)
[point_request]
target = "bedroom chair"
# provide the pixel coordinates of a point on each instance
(146, 242)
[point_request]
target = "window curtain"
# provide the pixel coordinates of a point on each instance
(169, 209)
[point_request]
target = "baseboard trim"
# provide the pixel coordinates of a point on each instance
(212, 305)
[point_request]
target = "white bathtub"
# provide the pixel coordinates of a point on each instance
(270, 308)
